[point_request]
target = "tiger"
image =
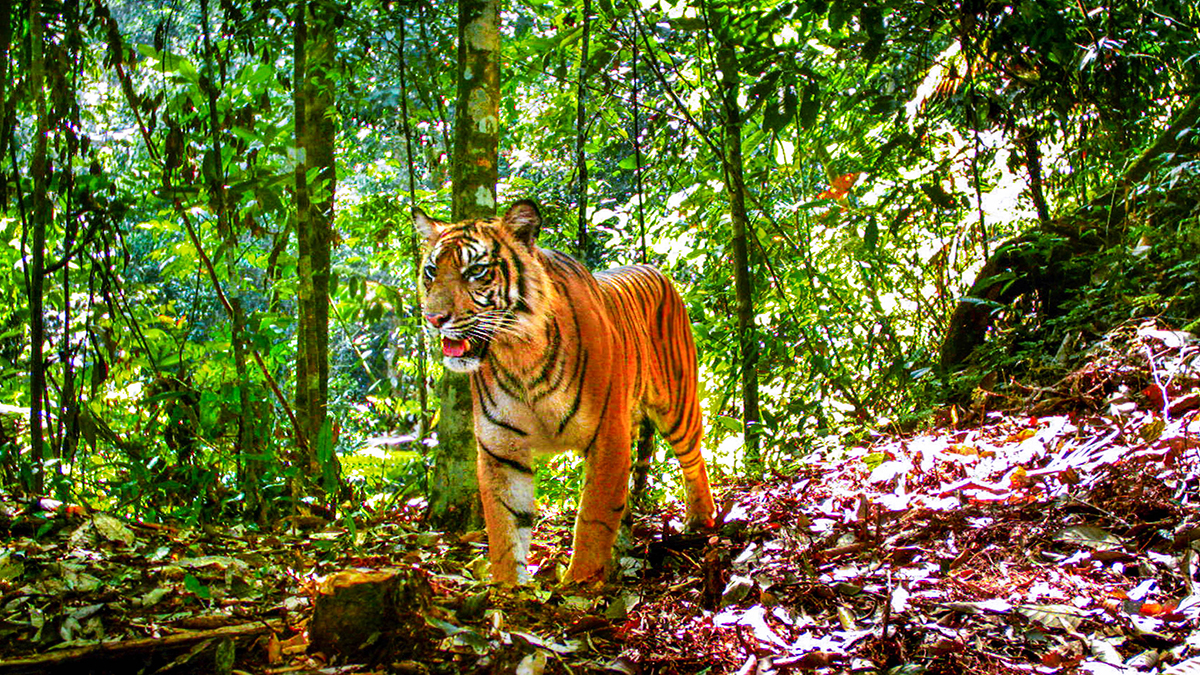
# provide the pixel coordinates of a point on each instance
(560, 360)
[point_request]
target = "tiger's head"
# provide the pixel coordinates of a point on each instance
(482, 281)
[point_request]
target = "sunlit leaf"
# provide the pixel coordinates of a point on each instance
(1056, 617)
(1089, 536)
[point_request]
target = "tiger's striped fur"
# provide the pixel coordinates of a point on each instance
(560, 360)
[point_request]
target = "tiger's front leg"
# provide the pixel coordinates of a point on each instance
(506, 489)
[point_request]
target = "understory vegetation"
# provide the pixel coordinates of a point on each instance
(946, 203)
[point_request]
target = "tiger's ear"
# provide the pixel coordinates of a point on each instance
(524, 220)
(427, 227)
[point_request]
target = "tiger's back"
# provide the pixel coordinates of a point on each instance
(560, 359)
(655, 327)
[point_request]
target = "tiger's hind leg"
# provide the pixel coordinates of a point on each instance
(682, 430)
(643, 447)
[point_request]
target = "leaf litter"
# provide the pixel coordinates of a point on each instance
(1060, 539)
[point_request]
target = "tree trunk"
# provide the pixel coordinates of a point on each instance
(1028, 139)
(454, 490)
(78, 195)
(6, 28)
(414, 246)
(36, 271)
(211, 81)
(735, 187)
(581, 169)
(637, 141)
(314, 59)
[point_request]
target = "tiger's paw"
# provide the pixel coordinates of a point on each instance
(700, 522)
(585, 575)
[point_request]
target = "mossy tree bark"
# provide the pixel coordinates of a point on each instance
(454, 490)
(315, 47)
(735, 188)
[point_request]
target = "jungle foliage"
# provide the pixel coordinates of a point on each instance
(153, 190)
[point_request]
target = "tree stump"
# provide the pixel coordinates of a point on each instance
(370, 614)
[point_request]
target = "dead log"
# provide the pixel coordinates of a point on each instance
(1035, 264)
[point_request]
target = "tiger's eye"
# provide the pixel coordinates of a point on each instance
(475, 271)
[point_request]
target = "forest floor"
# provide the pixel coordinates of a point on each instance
(1056, 536)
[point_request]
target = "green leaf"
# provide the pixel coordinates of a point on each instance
(871, 234)
(1090, 537)
(193, 585)
(464, 636)
(937, 195)
(729, 423)
(810, 105)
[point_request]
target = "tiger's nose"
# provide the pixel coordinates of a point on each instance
(437, 320)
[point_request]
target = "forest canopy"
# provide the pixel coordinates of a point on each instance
(210, 299)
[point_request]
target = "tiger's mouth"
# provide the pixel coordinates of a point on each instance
(462, 354)
(453, 348)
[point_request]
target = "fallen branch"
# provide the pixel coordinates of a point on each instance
(110, 656)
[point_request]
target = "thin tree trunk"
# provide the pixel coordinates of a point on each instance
(6, 24)
(40, 221)
(735, 187)
(454, 489)
(210, 82)
(581, 169)
(1033, 164)
(68, 407)
(413, 245)
(314, 59)
(304, 367)
(637, 143)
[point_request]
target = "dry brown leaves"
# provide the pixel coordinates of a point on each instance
(1061, 542)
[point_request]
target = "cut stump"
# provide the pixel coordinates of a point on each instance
(370, 614)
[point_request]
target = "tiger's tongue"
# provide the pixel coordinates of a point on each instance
(454, 348)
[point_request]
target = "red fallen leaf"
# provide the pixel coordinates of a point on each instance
(840, 186)
(1156, 395)
(1156, 609)
(589, 623)
(811, 660)
(1054, 659)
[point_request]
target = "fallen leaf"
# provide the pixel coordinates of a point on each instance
(1188, 667)
(840, 186)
